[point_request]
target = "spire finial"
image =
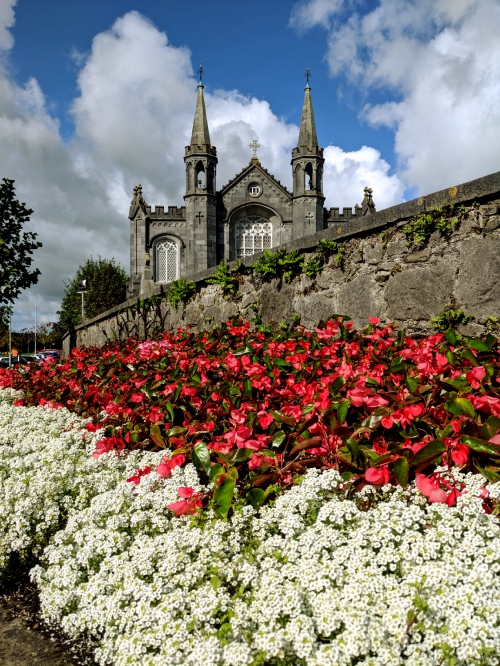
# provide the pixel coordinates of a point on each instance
(308, 76)
(201, 71)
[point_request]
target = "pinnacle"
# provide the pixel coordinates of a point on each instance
(307, 134)
(200, 134)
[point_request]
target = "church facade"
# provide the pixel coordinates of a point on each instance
(252, 212)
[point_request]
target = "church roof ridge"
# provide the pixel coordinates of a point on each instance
(248, 167)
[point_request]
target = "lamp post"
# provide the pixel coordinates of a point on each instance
(35, 319)
(10, 338)
(83, 289)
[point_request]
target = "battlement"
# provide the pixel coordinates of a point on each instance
(172, 213)
(333, 215)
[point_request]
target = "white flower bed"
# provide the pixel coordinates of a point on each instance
(313, 581)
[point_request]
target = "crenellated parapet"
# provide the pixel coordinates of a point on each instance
(173, 213)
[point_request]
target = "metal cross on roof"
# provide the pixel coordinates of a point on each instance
(254, 145)
(307, 74)
(201, 71)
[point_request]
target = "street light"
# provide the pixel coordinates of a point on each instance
(83, 286)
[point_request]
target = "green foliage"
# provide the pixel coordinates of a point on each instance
(420, 228)
(107, 285)
(278, 264)
(226, 278)
(450, 318)
(180, 292)
(325, 249)
(15, 248)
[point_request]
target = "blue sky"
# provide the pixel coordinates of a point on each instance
(97, 96)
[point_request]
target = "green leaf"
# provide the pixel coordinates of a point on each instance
(353, 446)
(170, 410)
(478, 345)
(401, 469)
(491, 427)
(342, 410)
(241, 455)
(214, 582)
(491, 476)
(223, 493)
(201, 457)
(256, 497)
(155, 434)
(282, 418)
(278, 439)
(412, 384)
(465, 407)
(215, 470)
(451, 336)
(428, 453)
(467, 354)
(490, 341)
(480, 446)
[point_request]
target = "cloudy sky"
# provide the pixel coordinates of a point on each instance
(98, 96)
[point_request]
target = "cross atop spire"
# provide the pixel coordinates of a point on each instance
(308, 76)
(201, 71)
(254, 145)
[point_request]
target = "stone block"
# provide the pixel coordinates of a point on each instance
(396, 248)
(419, 293)
(415, 257)
(276, 305)
(359, 299)
(478, 283)
(315, 307)
(246, 287)
(249, 299)
(194, 314)
(328, 277)
(373, 254)
(492, 223)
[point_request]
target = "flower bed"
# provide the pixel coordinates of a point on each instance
(314, 579)
(254, 411)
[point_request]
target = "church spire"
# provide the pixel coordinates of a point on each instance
(200, 134)
(307, 134)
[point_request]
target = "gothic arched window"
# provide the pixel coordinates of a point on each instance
(167, 261)
(253, 234)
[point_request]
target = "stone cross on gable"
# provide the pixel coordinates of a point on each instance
(254, 145)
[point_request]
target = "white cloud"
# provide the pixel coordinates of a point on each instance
(7, 19)
(314, 12)
(133, 117)
(441, 60)
(348, 173)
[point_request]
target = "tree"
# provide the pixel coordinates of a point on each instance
(107, 283)
(15, 248)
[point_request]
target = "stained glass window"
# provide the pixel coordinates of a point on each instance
(253, 234)
(166, 261)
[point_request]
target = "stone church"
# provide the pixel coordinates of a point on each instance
(252, 212)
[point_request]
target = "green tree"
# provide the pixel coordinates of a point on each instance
(106, 282)
(15, 247)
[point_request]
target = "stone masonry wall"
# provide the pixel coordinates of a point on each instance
(380, 276)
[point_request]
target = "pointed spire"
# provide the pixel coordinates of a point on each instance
(307, 134)
(200, 134)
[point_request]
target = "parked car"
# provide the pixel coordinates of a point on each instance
(4, 360)
(55, 353)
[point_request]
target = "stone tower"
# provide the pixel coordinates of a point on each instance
(201, 202)
(307, 167)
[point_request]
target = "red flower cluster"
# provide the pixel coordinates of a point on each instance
(256, 410)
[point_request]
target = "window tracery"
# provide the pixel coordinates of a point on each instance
(167, 261)
(253, 234)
